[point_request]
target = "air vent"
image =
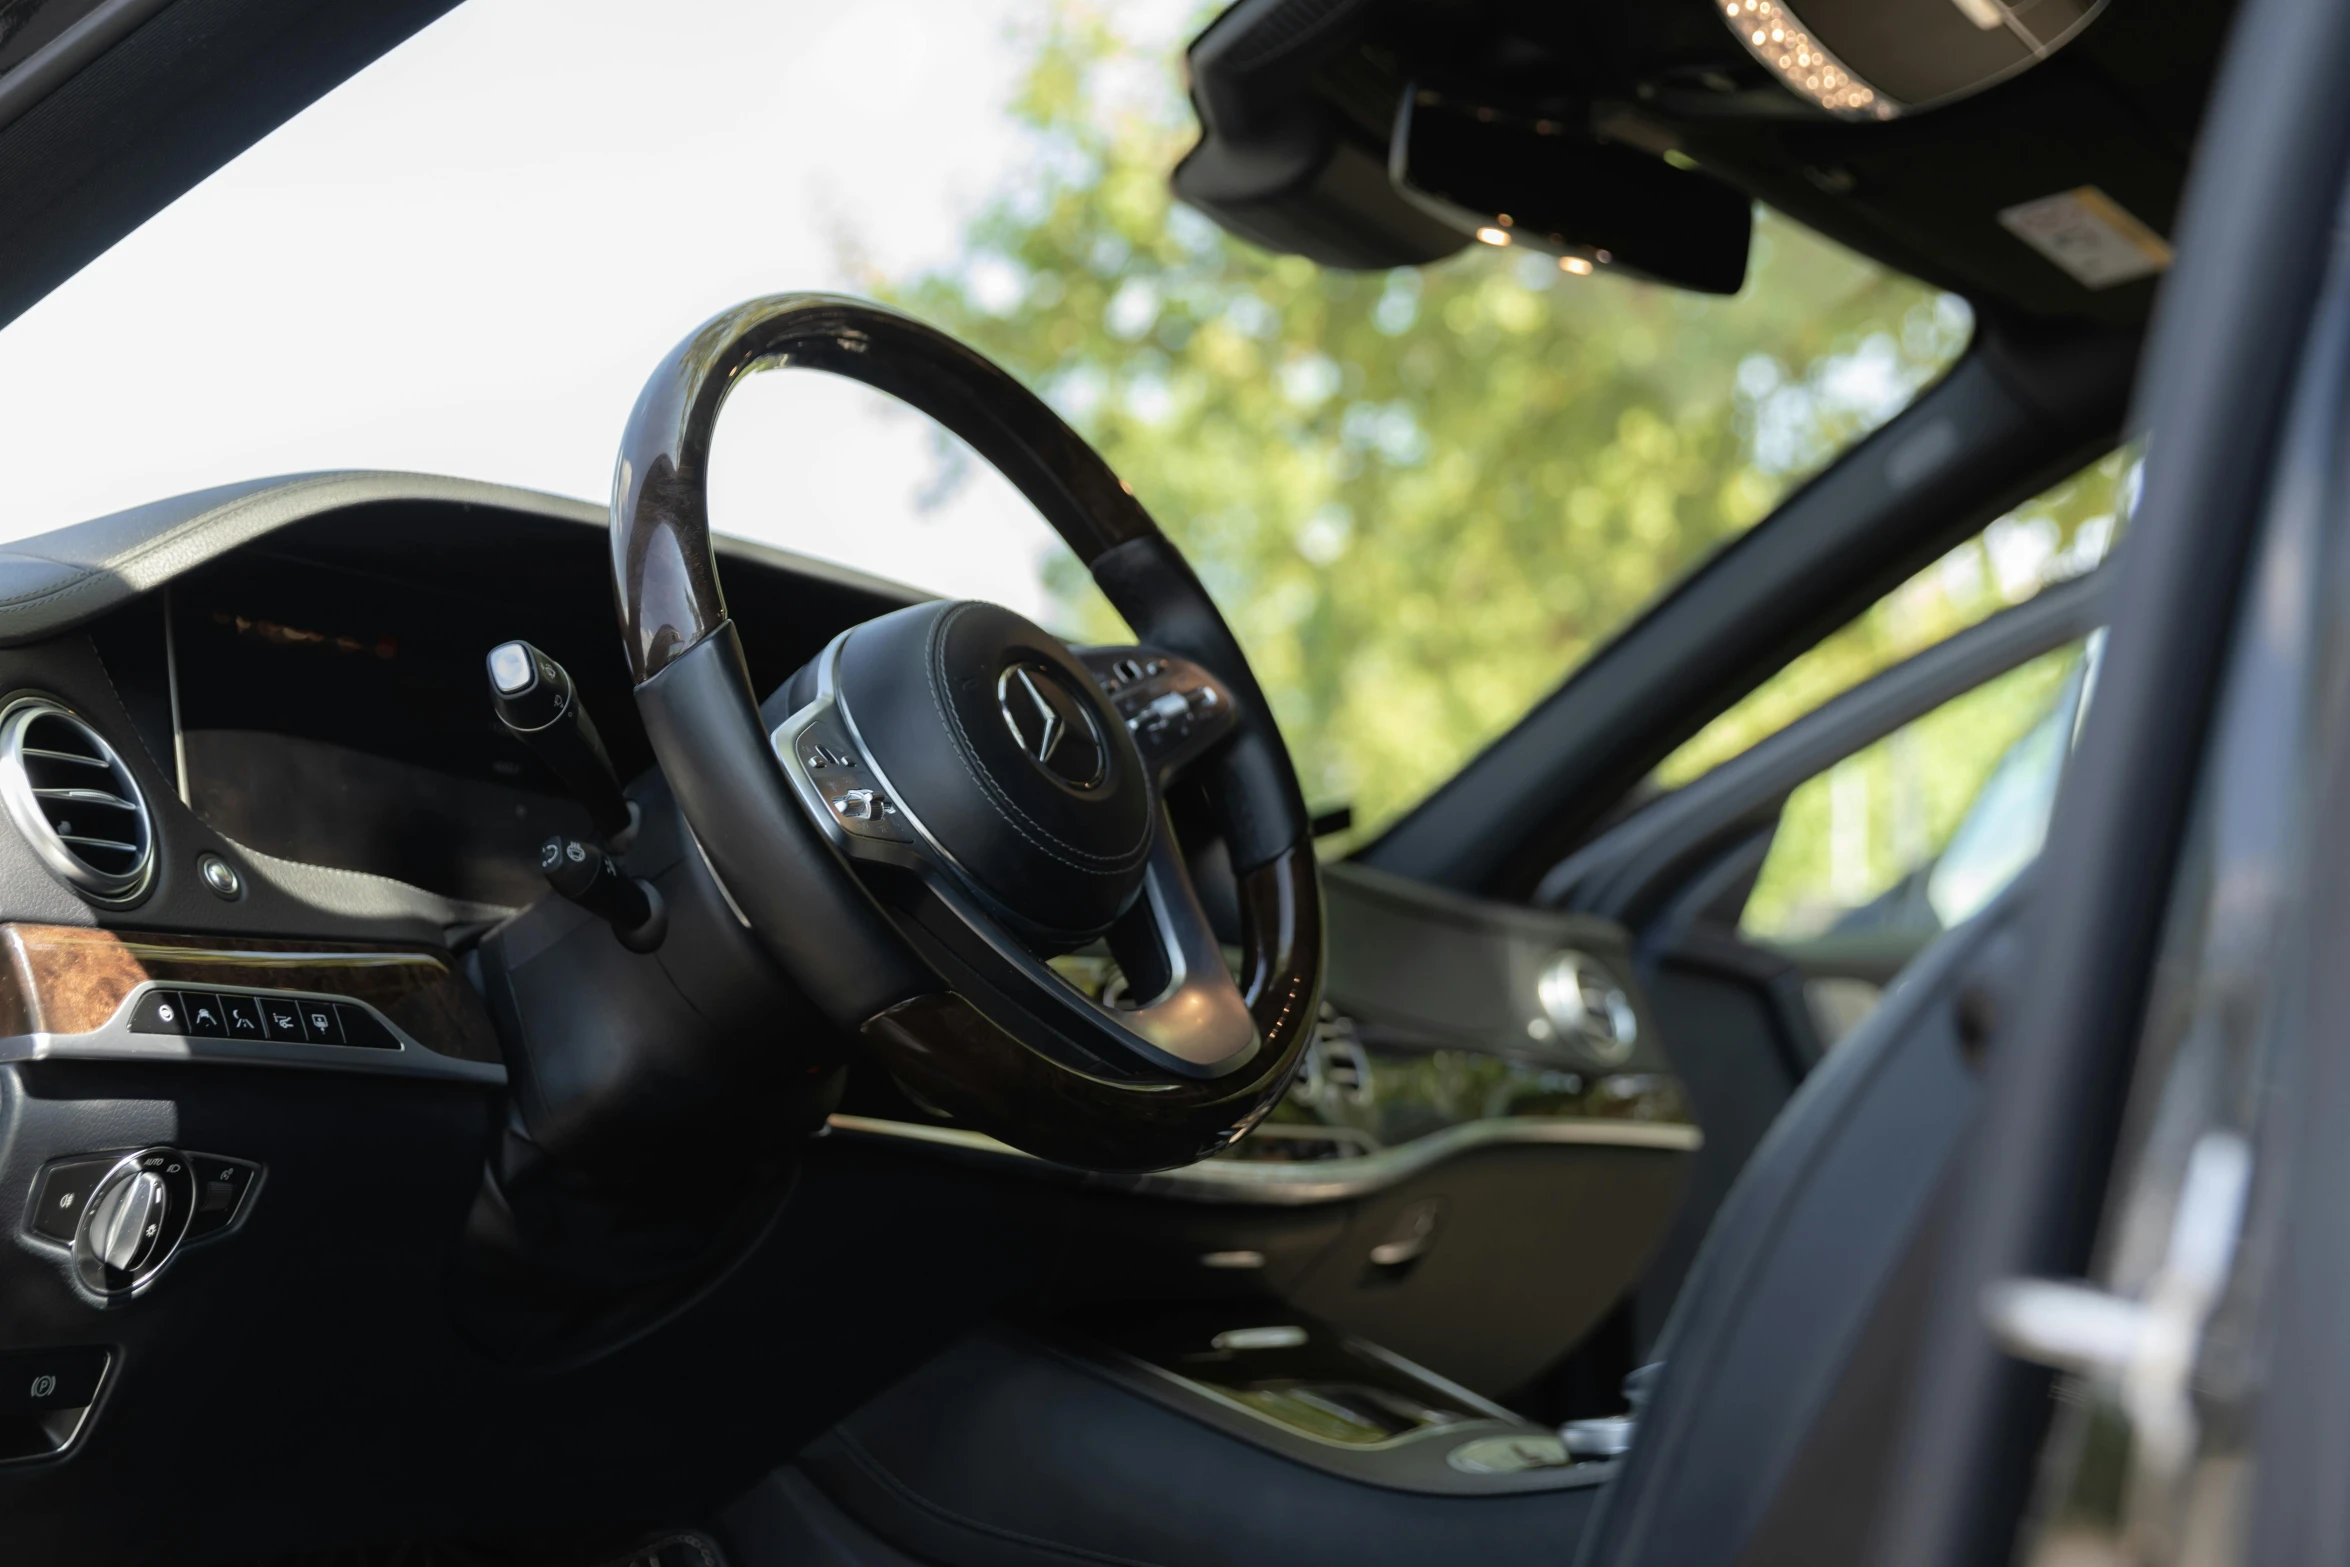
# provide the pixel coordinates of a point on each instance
(74, 801)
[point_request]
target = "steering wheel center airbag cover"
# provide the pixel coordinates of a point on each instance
(1002, 749)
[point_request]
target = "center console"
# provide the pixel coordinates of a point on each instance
(1219, 1434)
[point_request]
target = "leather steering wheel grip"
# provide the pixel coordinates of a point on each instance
(972, 1047)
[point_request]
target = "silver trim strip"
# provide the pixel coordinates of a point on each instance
(114, 1041)
(1323, 1180)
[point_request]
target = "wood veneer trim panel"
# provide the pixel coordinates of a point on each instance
(69, 980)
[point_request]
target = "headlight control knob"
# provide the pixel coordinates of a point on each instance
(127, 1220)
(134, 1220)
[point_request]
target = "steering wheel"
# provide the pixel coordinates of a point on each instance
(950, 797)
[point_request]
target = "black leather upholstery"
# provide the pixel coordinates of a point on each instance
(1001, 1453)
(1785, 1339)
(924, 687)
(1785, 1363)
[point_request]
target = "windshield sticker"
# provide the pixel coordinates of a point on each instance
(2089, 234)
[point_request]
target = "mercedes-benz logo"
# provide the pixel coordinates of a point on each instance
(1051, 724)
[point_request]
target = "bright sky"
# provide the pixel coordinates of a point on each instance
(467, 259)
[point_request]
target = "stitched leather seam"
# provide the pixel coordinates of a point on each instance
(1018, 820)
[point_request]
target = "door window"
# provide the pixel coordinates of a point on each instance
(2059, 534)
(1910, 836)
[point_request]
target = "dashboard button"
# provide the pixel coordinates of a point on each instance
(204, 1016)
(63, 1194)
(221, 1187)
(44, 1379)
(319, 1023)
(282, 1018)
(43, 1396)
(361, 1028)
(159, 1012)
(244, 1017)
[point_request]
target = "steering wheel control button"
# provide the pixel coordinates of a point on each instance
(243, 1017)
(1175, 710)
(220, 876)
(160, 1012)
(859, 807)
(62, 1196)
(863, 805)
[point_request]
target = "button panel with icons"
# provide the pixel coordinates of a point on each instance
(855, 799)
(260, 1015)
(127, 1214)
(1173, 707)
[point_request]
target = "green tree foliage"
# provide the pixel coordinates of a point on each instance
(1423, 497)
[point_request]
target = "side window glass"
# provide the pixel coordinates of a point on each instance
(1912, 835)
(2059, 534)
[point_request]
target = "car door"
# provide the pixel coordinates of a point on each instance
(1772, 901)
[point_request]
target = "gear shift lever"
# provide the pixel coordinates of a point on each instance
(536, 702)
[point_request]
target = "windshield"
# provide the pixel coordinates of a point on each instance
(1422, 497)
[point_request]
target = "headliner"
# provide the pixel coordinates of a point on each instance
(2117, 108)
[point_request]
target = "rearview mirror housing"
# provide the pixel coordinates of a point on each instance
(1544, 186)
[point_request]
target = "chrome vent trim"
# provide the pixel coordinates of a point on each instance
(75, 802)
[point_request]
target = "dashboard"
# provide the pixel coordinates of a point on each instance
(345, 850)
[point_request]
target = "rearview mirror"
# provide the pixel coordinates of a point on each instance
(1593, 204)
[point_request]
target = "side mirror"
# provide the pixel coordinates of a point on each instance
(1594, 204)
